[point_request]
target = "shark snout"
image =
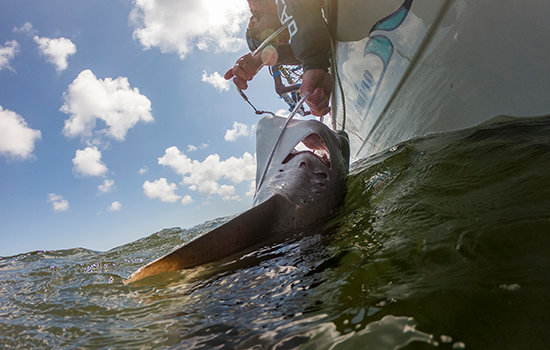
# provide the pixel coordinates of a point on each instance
(320, 175)
(308, 168)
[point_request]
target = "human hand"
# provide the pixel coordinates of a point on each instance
(318, 81)
(244, 70)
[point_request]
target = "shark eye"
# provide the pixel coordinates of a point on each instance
(313, 143)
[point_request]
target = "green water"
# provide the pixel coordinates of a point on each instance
(442, 242)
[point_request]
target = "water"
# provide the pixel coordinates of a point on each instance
(442, 242)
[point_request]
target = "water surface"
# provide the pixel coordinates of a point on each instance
(442, 242)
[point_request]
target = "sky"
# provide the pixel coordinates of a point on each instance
(115, 121)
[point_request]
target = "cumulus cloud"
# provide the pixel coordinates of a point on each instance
(143, 170)
(216, 80)
(107, 186)
(87, 162)
(186, 200)
(113, 102)
(225, 191)
(161, 189)
(239, 129)
(16, 138)
(115, 206)
(58, 203)
(180, 26)
(56, 51)
(204, 176)
(7, 53)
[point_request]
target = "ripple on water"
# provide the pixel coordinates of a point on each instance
(441, 242)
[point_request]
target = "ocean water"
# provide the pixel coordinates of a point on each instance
(442, 242)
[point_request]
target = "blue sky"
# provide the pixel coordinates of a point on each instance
(114, 122)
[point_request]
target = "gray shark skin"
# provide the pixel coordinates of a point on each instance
(312, 180)
(304, 183)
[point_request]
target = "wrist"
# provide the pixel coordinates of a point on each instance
(316, 61)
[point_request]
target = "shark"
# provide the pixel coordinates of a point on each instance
(301, 172)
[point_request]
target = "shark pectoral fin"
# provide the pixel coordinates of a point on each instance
(225, 240)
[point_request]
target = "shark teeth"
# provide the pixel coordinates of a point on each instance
(314, 144)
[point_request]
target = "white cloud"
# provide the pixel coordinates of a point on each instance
(282, 113)
(204, 176)
(179, 26)
(26, 29)
(216, 80)
(226, 190)
(239, 129)
(58, 203)
(251, 189)
(87, 162)
(107, 186)
(56, 51)
(231, 198)
(186, 200)
(115, 206)
(16, 138)
(193, 148)
(114, 102)
(161, 189)
(143, 170)
(7, 53)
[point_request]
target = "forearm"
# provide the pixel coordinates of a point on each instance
(310, 39)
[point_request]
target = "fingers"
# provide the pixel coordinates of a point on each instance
(243, 71)
(246, 67)
(318, 103)
(241, 83)
(320, 82)
(229, 74)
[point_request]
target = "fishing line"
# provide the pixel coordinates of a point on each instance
(258, 112)
(292, 114)
(256, 52)
(269, 38)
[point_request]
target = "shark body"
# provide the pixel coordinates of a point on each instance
(299, 181)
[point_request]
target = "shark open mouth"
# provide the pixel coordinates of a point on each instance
(314, 144)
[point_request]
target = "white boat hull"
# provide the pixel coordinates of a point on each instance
(435, 66)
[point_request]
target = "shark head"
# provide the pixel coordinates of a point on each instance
(308, 168)
(304, 182)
